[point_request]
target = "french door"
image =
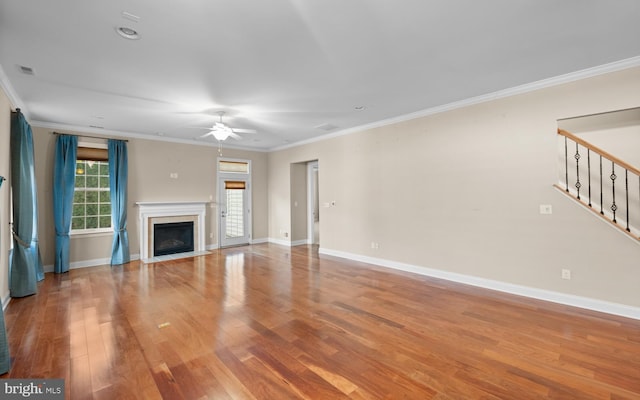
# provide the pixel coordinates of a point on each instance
(233, 206)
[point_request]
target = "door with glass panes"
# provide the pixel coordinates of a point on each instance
(233, 207)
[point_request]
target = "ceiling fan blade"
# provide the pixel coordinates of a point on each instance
(240, 130)
(236, 137)
(210, 133)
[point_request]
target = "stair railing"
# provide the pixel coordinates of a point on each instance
(605, 194)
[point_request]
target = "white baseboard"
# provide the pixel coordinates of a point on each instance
(89, 263)
(5, 302)
(287, 243)
(280, 242)
(216, 246)
(540, 294)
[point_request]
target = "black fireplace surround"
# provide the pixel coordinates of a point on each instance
(172, 238)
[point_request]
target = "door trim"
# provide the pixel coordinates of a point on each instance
(312, 167)
(220, 177)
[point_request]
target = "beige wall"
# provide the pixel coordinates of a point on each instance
(460, 192)
(150, 166)
(5, 233)
(623, 142)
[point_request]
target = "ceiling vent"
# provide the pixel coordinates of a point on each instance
(326, 127)
(26, 70)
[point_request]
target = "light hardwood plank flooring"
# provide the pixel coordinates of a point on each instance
(270, 322)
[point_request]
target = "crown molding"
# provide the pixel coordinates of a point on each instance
(108, 133)
(13, 97)
(516, 90)
(529, 87)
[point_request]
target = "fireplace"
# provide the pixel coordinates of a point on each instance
(172, 238)
(172, 214)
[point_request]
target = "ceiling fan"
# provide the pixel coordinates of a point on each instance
(222, 132)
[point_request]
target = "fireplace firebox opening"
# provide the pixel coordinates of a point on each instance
(172, 238)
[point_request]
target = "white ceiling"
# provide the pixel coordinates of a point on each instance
(285, 67)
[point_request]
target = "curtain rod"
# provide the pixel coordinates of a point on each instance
(88, 136)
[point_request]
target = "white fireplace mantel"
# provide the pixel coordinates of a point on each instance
(157, 211)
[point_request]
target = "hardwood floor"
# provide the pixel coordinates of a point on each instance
(270, 322)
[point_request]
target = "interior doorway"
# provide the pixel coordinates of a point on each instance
(313, 207)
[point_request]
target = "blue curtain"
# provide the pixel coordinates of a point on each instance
(5, 359)
(118, 171)
(64, 178)
(25, 265)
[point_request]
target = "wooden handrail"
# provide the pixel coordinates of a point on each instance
(599, 151)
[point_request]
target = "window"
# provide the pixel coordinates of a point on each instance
(92, 197)
(234, 167)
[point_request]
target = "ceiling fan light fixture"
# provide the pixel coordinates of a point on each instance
(222, 132)
(221, 135)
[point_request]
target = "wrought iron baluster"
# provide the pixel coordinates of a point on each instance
(578, 184)
(601, 200)
(566, 165)
(626, 194)
(589, 173)
(613, 177)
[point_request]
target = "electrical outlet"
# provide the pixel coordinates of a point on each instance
(566, 273)
(546, 209)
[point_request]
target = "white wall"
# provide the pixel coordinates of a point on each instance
(460, 192)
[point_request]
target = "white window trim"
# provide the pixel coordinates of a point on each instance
(91, 232)
(96, 231)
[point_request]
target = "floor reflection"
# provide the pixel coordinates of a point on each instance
(235, 280)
